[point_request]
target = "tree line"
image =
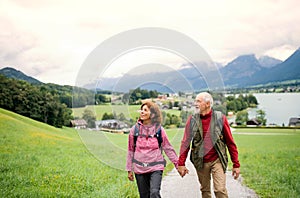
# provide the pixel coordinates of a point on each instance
(136, 95)
(48, 103)
(39, 102)
(51, 103)
(241, 102)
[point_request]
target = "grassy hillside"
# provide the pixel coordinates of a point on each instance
(38, 160)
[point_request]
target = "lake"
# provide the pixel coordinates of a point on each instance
(279, 107)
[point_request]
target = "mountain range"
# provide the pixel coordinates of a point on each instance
(247, 70)
(244, 71)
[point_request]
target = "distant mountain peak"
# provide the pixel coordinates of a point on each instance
(16, 74)
(242, 68)
(268, 62)
(244, 59)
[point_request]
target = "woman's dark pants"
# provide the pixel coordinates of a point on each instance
(149, 184)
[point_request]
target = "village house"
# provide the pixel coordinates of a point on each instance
(112, 125)
(294, 122)
(78, 124)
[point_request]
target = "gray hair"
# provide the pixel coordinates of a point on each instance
(207, 97)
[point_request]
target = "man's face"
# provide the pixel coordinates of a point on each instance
(200, 104)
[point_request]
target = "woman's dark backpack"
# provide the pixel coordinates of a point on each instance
(137, 133)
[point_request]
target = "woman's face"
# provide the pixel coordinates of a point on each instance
(145, 114)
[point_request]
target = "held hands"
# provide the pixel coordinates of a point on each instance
(130, 175)
(235, 172)
(182, 170)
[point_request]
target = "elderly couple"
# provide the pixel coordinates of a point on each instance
(208, 133)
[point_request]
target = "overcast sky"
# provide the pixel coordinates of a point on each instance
(50, 40)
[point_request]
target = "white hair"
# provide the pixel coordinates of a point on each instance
(207, 97)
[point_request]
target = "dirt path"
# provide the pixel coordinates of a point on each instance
(173, 186)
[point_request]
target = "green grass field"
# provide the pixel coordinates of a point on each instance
(130, 111)
(270, 160)
(38, 160)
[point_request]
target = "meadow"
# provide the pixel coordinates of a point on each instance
(270, 160)
(130, 111)
(269, 157)
(38, 160)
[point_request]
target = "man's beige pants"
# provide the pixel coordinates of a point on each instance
(219, 179)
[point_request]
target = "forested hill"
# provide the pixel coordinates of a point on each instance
(48, 103)
(40, 103)
(16, 74)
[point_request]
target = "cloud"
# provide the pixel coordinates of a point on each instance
(51, 39)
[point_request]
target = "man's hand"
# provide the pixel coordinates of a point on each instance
(130, 175)
(235, 172)
(182, 170)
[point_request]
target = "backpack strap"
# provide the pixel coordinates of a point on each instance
(136, 133)
(158, 136)
(143, 164)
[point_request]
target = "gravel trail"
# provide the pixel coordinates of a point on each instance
(173, 186)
